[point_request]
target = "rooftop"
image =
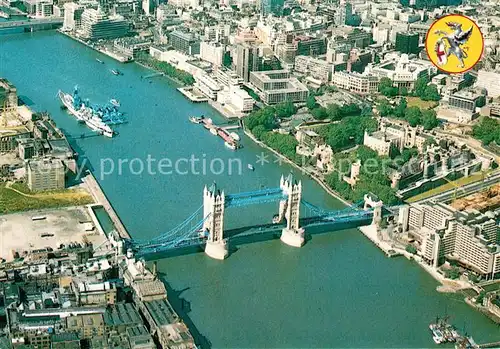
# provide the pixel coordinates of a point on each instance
(122, 314)
(161, 312)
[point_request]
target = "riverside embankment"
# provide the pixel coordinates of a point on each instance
(265, 294)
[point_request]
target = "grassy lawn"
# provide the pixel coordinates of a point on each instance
(417, 102)
(445, 187)
(11, 201)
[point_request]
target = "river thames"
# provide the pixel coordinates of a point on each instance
(338, 290)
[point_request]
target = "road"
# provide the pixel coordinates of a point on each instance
(31, 22)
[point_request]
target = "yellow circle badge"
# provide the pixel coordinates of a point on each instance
(454, 43)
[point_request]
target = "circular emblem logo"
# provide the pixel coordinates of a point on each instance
(454, 43)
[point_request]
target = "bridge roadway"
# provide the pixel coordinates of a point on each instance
(261, 232)
(33, 23)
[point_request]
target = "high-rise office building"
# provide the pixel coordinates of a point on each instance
(407, 42)
(247, 60)
(97, 25)
(344, 13)
(272, 6)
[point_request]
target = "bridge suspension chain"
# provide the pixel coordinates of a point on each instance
(172, 232)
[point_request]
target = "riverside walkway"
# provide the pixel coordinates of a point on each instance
(100, 198)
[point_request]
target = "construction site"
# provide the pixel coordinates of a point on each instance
(12, 125)
(485, 200)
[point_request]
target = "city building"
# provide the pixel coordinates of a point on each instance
(407, 42)
(274, 7)
(8, 95)
(394, 136)
(97, 25)
(468, 237)
(343, 13)
(356, 82)
(39, 8)
(131, 47)
(310, 45)
(207, 85)
(212, 52)
(227, 78)
(402, 71)
(9, 137)
(184, 42)
(467, 100)
(247, 60)
(315, 67)
(102, 293)
(490, 81)
(45, 174)
(165, 323)
(184, 3)
(72, 16)
(276, 86)
(87, 324)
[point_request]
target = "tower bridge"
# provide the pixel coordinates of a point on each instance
(205, 226)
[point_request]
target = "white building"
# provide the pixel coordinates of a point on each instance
(317, 68)
(72, 16)
(236, 100)
(355, 82)
(207, 85)
(396, 137)
(489, 81)
(402, 71)
(97, 25)
(184, 3)
(212, 52)
(468, 237)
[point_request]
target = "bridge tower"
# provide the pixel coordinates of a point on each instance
(292, 234)
(371, 201)
(213, 211)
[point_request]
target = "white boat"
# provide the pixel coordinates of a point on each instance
(250, 167)
(437, 336)
(231, 146)
(85, 114)
(115, 102)
(98, 60)
(213, 131)
(196, 120)
(235, 136)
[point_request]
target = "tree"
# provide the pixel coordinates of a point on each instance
(429, 119)
(350, 109)
(384, 108)
(311, 103)
(411, 249)
(384, 83)
(399, 111)
(480, 297)
(265, 117)
(333, 111)
(487, 131)
(319, 113)
(364, 153)
(430, 93)
(414, 116)
(258, 131)
(408, 153)
(452, 273)
(386, 87)
(420, 86)
(285, 109)
(403, 91)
